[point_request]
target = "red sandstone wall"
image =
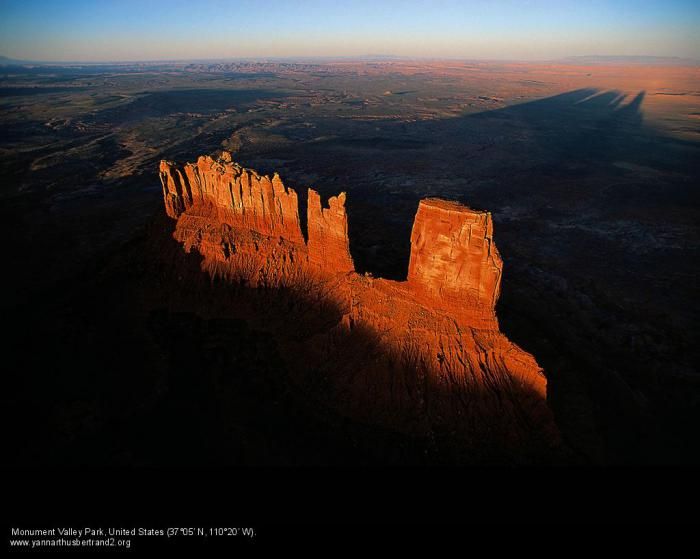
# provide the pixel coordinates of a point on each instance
(256, 202)
(246, 227)
(329, 246)
(454, 261)
(260, 204)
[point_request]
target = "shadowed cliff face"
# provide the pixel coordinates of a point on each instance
(196, 369)
(438, 326)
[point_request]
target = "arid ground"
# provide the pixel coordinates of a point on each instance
(591, 174)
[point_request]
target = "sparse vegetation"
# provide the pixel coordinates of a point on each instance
(587, 170)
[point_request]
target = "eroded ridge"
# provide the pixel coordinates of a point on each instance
(246, 228)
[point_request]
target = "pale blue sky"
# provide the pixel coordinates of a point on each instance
(99, 30)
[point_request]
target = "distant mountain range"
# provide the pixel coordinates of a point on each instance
(588, 59)
(5, 61)
(619, 59)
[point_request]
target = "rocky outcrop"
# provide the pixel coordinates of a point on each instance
(440, 324)
(329, 246)
(261, 205)
(241, 195)
(454, 263)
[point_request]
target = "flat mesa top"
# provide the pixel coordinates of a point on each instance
(449, 205)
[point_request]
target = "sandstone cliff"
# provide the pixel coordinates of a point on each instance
(454, 261)
(259, 205)
(439, 325)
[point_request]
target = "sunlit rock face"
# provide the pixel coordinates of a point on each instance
(454, 262)
(257, 204)
(329, 246)
(439, 325)
(250, 200)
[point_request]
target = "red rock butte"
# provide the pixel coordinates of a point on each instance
(246, 228)
(454, 261)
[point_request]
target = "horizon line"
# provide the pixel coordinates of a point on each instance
(10, 61)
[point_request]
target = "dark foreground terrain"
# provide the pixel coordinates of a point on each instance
(591, 174)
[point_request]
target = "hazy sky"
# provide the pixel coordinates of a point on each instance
(97, 30)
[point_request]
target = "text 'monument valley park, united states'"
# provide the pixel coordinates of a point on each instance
(265, 240)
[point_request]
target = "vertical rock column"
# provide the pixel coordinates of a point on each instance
(176, 192)
(328, 245)
(454, 261)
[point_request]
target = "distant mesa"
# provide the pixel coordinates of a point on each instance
(246, 228)
(632, 60)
